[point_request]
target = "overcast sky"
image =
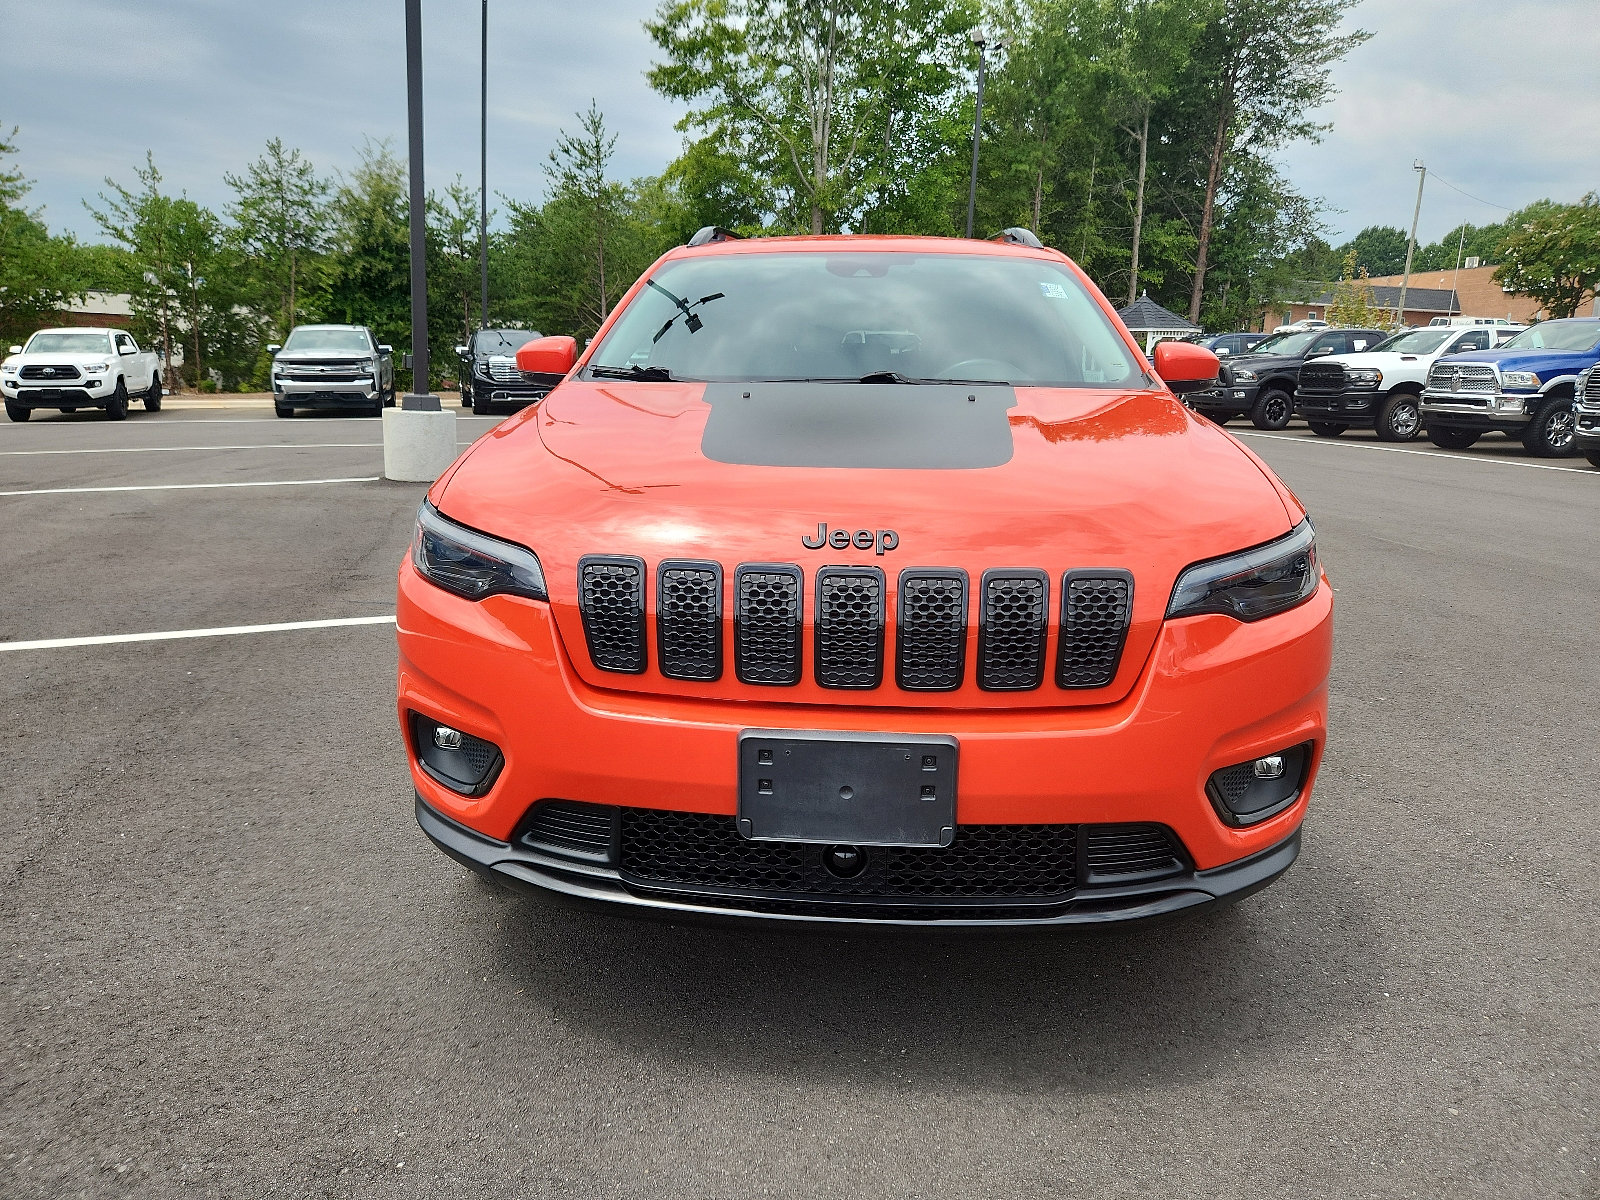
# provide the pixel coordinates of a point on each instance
(1496, 96)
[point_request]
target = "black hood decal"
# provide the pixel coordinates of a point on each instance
(906, 426)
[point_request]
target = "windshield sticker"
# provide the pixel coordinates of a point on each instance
(1053, 291)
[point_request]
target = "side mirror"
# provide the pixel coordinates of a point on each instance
(385, 349)
(1185, 367)
(548, 356)
(127, 350)
(16, 350)
(273, 347)
(461, 351)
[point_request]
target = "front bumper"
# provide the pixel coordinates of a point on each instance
(1211, 693)
(81, 393)
(603, 886)
(1587, 430)
(305, 393)
(1507, 411)
(1353, 407)
(519, 392)
(1238, 397)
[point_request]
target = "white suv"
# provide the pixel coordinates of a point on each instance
(75, 368)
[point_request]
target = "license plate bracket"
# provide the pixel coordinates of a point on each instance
(841, 788)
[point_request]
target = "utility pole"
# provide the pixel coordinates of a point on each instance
(483, 185)
(1411, 243)
(419, 211)
(1455, 294)
(980, 40)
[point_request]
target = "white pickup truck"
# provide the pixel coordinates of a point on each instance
(1381, 388)
(69, 369)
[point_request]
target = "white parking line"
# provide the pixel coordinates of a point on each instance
(168, 635)
(46, 425)
(169, 449)
(1493, 462)
(184, 487)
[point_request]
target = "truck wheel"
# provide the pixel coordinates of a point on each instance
(1447, 438)
(16, 412)
(1593, 456)
(1550, 433)
(1327, 428)
(1273, 409)
(283, 410)
(1399, 420)
(480, 408)
(152, 395)
(117, 406)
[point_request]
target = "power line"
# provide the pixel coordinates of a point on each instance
(1441, 179)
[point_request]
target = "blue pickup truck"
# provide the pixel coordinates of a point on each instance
(1523, 388)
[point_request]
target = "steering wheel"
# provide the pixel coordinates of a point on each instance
(980, 368)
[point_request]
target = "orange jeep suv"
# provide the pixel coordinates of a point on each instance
(865, 581)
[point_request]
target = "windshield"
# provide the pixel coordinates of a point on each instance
(1417, 341)
(69, 343)
(867, 315)
(310, 337)
(1556, 335)
(496, 341)
(1285, 343)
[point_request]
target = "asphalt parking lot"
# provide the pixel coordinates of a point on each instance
(233, 966)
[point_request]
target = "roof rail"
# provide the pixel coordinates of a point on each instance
(713, 233)
(1018, 236)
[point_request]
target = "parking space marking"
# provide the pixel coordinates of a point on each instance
(168, 635)
(183, 487)
(169, 449)
(232, 421)
(1329, 442)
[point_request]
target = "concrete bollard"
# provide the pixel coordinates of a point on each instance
(419, 440)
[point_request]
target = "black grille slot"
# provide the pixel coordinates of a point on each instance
(570, 829)
(849, 627)
(611, 600)
(689, 619)
(703, 853)
(1014, 608)
(931, 630)
(1125, 853)
(1096, 606)
(1321, 377)
(66, 373)
(766, 634)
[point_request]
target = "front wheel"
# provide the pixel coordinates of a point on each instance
(1272, 410)
(1593, 456)
(1399, 420)
(1447, 438)
(117, 406)
(16, 412)
(1327, 428)
(480, 408)
(282, 410)
(152, 395)
(1552, 431)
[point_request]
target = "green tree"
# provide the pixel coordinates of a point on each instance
(1553, 254)
(1262, 65)
(281, 224)
(369, 263)
(1353, 299)
(39, 274)
(1381, 249)
(592, 205)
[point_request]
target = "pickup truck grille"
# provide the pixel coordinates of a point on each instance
(504, 370)
(1462, 377)
(850, 632)
(54, 372)
(1589, 400)
(1321, 377)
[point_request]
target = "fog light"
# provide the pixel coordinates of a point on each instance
(1249, 792)
(1270, 767)
(459, 761)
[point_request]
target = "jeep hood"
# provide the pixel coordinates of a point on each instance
(1036, 477)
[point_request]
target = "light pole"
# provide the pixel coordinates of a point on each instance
(483, 185)
(419, 214)
(980, 40)
(1411, 243)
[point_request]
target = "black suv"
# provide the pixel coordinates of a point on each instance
(1261, 383)
(489, 373)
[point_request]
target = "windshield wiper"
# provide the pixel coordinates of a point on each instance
(897, 377)
(645, 374)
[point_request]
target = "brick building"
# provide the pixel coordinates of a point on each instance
(1470, 292)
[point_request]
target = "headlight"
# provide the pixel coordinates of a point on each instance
(1251, 584)
(95, 368)
(472, 564)
(1519, 379)
(1363, 377)
(1243, 375)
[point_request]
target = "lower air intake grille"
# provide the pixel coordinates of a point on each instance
(1014, 610)
(572, 830)
(689, 620)
(766, 634)
(1124, 853)
(931, 630)
(849, 627)
(704, 853)
(611, 600)
(1095, 608)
